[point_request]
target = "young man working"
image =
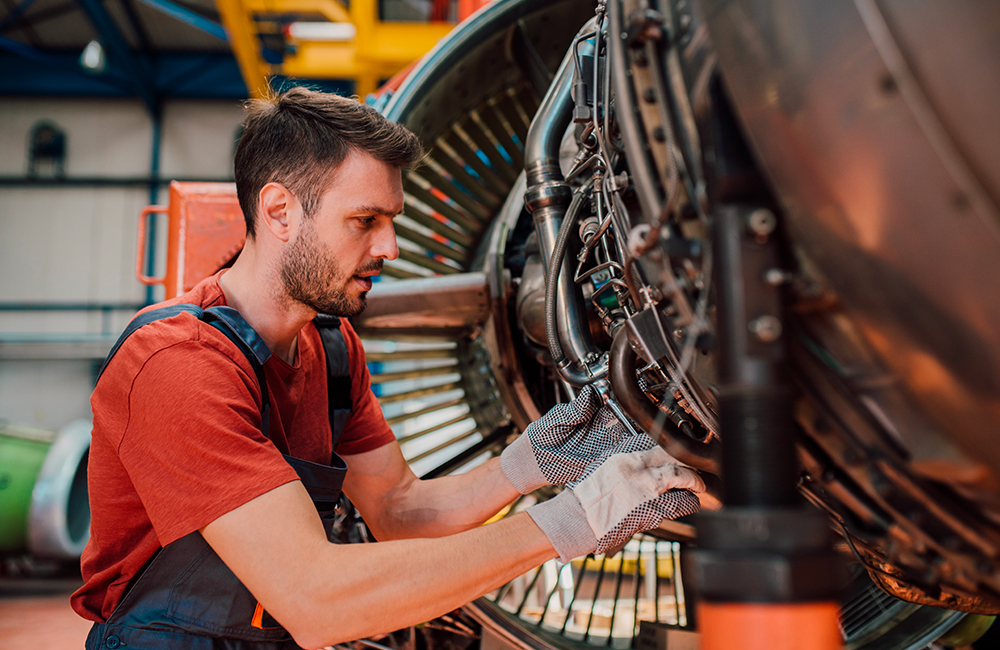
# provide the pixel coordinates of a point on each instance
(205, 533)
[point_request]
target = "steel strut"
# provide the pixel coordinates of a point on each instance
(764, 572)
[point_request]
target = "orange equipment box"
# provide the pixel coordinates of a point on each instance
(205, 231)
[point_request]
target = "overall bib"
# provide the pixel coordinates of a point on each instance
(186, 597)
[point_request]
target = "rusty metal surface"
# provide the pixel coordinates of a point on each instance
(450, 302)
(205, 230)
(874, 123)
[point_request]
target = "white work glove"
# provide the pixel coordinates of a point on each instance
(630, 489)
(558, 447)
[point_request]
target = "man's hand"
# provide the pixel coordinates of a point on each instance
(618, 495)
(558, 447)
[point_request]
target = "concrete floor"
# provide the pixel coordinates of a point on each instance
(35, 615)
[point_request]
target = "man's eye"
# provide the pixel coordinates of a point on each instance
(367, 221)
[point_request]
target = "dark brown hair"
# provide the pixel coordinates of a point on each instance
(300, 137)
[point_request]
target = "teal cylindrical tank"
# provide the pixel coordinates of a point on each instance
(22, 452)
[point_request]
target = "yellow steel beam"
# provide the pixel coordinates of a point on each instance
(377, 51)
(402, 43)
(332, 10)
(387, 48)
(243, 40)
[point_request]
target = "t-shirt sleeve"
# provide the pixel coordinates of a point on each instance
(367, 429)
(192, 447)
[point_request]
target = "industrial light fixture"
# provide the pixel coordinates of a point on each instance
(92, 58)
(321, 31)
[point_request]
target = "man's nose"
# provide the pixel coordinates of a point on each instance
(384, 247)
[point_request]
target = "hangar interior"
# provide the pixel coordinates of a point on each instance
(776, 224)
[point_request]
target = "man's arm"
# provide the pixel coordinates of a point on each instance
(397, 505)
(325, 593)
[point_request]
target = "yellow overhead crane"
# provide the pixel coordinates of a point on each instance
(333, 42)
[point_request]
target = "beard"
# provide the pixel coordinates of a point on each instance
(311, 276)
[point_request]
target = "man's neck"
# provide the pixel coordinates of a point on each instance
(255, 290)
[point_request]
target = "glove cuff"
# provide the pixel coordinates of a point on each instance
(564, 522)
(519, 465)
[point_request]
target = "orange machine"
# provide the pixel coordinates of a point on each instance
(205, 231)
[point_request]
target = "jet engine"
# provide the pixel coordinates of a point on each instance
(665, 199)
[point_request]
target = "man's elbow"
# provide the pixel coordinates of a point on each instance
(321, 613)
(315, 627)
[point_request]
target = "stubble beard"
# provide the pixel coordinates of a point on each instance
(311, 277)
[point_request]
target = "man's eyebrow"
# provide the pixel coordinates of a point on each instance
(375, 209)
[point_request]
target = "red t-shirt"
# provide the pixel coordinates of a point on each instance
(177, 437)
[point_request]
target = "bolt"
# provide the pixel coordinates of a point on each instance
(659, 134)
(761, 222)
(649, 95)
(766, 328)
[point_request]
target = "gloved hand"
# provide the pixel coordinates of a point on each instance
(558, 447)
(618, 495)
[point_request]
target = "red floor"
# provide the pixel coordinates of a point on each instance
(35, 615)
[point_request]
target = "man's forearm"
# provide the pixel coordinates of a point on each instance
(325, 593)
(397, 505)
(446, 505)
(411, 581)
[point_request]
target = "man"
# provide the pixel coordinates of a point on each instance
(202, 470)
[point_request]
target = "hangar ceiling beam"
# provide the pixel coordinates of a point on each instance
(187, 16)
(15, 13)
(136, 69)
(145, 44)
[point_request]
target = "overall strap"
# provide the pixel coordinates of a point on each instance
(338, 369)
(228, 321)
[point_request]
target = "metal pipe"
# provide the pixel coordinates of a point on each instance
(154, 194)
(701, 456)
(101, 181)
(564, 312)
(69, 306)
(547, 198)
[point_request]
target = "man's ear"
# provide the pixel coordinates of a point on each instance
(277, 210)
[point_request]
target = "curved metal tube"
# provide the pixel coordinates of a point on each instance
(577, 374)
(59, 515)
(702, 456)
(547, 198)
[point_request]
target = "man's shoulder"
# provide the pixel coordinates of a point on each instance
(176, 328)
(205, 294)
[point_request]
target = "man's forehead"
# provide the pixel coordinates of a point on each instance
(363, 183)
(373, 208)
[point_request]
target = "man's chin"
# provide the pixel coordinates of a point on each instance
(359, 305)
(342, 306)
(345, 308)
